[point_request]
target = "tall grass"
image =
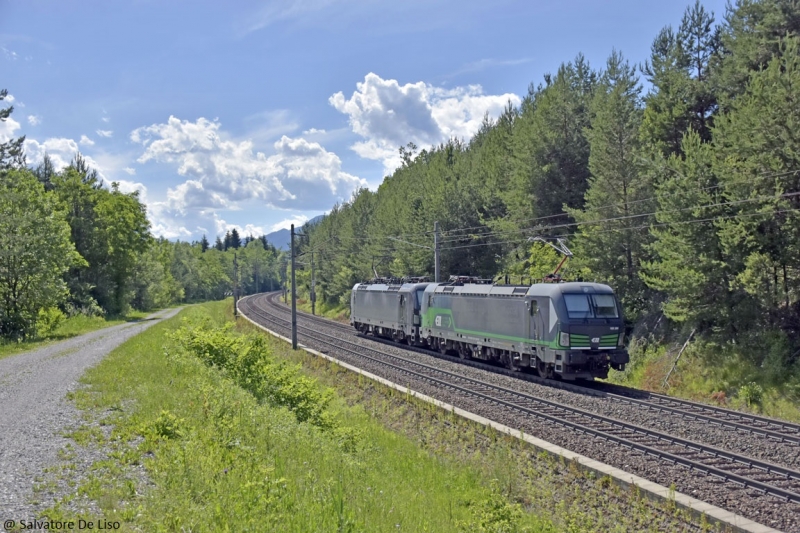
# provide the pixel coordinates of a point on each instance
(224, 451)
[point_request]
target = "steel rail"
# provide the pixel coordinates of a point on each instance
(525, 403)
(651, 401)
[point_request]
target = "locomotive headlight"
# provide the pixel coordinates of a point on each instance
(563, 339)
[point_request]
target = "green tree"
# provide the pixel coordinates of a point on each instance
(612, 237)
(153, 284)
(109, 229)
(550, 167)
(682, 96)
(688, 264)
(750, 37)
(35, 253)
(757, 161)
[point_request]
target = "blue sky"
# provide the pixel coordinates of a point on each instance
(258, 114)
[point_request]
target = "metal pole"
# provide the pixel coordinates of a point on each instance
(294, 299)
(436, 252)
(313, 287)
(235, 285)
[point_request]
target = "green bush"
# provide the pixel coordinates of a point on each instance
(494, 514)
(751, 393)
(167, 426)
(48, 320)
(247, 360)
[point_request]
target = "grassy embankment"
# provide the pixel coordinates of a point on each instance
(340, 313)
(69, 327)
(719, 375)
(234, 435)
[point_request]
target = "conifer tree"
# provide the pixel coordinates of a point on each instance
(612, 235)
(235, 241)
(758, 163)
(682, 96)
(204, 243)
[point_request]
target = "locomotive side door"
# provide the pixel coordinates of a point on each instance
(402, 306)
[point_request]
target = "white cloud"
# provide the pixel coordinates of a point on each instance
(299, 174)
(249, 229)
(60, 149)
(297, 220)
(313, 131)
(105, 133)
(389, 115)
(106, 119)
(279, 10)
(10, 54)
(9, 97)
(129, 170)
(86, 141)
(133, 186)
(8, 128)
(34, 120)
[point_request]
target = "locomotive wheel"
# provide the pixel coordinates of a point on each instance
(508, 362)
(463, 351)
(541, 367)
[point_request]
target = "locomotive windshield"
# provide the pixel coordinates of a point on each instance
(591, 305)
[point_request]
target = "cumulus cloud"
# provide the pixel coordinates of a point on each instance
(299, 174)
(389, 115)
(61, 151)
(105, 133)
(223, 227)
(128, 187)
(86, 141)
(8, 128)
(297, 220)
(34, 120)
(313, 131)
(129, 170)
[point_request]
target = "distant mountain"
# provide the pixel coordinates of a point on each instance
(280, 239)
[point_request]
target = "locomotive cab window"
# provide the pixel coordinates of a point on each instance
(605, 306)
(591, 306)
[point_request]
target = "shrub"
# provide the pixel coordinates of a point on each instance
(751, 393)
(248, 362)
(494, 514)
(48, 320)
(167, 426)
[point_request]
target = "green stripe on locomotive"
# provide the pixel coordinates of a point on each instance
(448, 323)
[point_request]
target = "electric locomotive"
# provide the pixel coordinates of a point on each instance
(388, 308)
(571, 330)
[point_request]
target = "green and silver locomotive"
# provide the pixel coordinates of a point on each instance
(569, 330)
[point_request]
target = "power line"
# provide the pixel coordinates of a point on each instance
(630, 217)
(645, 226)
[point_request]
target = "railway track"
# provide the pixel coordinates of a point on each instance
(769, 428)
(732, 468)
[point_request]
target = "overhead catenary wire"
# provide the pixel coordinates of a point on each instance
(371, 238)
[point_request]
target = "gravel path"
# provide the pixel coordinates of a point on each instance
(35, 413)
